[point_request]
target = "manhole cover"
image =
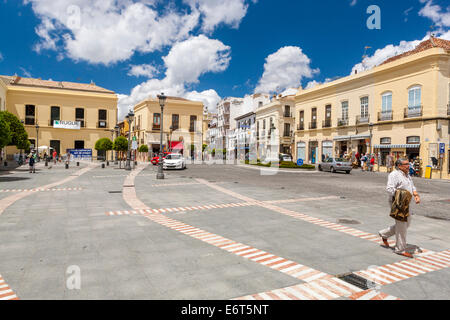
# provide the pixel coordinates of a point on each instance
(348, 221)
(355, 280)
(115, 191)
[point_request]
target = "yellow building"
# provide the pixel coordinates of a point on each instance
(278, 115)
(61, 115)
(182, 125)
(399, 107)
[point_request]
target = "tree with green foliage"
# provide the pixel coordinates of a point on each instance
(19, 137)
(120, 145)
(5, 132)
(104, 145)
(143, 148)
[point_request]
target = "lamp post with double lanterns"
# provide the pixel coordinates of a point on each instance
(162, 101)
(129, 117)
(37, 142)
(116, 130)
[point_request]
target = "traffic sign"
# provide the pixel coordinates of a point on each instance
(134, 138)
(441, 148)
(134, 145)
(300, 162)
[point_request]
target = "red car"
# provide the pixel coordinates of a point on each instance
(155, 160)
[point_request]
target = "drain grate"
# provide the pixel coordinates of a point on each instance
(114, 191)
(356, 280)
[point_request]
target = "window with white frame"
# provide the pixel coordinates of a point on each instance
(415, 97)
(386, 105)
(344, 109)
(364, 107)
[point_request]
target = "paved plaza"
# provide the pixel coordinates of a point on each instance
(214, 232)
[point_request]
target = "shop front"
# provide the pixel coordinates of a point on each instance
(313, 151)
(301, 151)
(327, 149)
(342, 145)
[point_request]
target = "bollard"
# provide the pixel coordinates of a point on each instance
(67, 165)
(78, 164)
(107, 163)
(5, 164)
(103, 166)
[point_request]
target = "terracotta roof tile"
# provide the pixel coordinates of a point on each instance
(425, 45)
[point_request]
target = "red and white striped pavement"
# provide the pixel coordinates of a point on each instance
(5, 291)
(39, 190)
(406, 269)
(272, 261)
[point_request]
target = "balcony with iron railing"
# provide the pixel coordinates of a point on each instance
(413, 112)
(29, 120)
(156, 127)
(448, 109)
(385, 116)
(287, 114)
(301, 127)
(326, 123)
(342, 122)
(362, 119)
(102, 124)
(82, 123)
(313, 125)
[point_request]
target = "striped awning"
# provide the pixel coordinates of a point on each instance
(397, 146)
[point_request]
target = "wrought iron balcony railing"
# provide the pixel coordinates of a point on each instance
(362, 119)
(342, 122)
(301, 127)
(326, 123)
(413, 112)
(313, 125)
(385, 116)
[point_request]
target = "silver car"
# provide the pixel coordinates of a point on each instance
(335, 164)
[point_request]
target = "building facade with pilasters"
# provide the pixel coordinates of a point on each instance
(401, 107)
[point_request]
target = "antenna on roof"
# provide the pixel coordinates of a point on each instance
(365, 56)
(432, 35)
(92, 83)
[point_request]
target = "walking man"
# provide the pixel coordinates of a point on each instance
(389, 162)
(399, 179)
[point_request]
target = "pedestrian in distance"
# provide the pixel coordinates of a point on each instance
(372, 162)
(389, 162)
(31, 163)
(400, 183)
(55, 154)
(363, 162)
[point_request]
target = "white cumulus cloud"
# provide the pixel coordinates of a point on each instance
(284, 69)
(436, 14)
(108, 31)
(185, 63)
(216, 12)
(143, 70)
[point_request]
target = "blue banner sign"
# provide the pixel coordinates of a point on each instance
(80, 154)
(441, 148)
(300, 162)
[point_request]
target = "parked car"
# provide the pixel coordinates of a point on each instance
(155, 160)
(174, 161)
(335, 164)
(285, 157)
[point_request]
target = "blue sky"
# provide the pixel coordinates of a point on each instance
(206, 49)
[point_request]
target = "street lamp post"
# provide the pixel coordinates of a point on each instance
(116, 130)
(370, 130)
(129, 117)
(37, 142)
(162, 101)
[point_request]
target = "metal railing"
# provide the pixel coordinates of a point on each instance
(102, 124)
(385, 116)
(156, 127)
(313, 125)
(448, 109)
(326, 123)
(287, 114)
(29, 120)
(413, 112)
(342, 122)
(362, 119)
(301, 127)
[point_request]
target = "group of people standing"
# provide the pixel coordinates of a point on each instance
(366, 161)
